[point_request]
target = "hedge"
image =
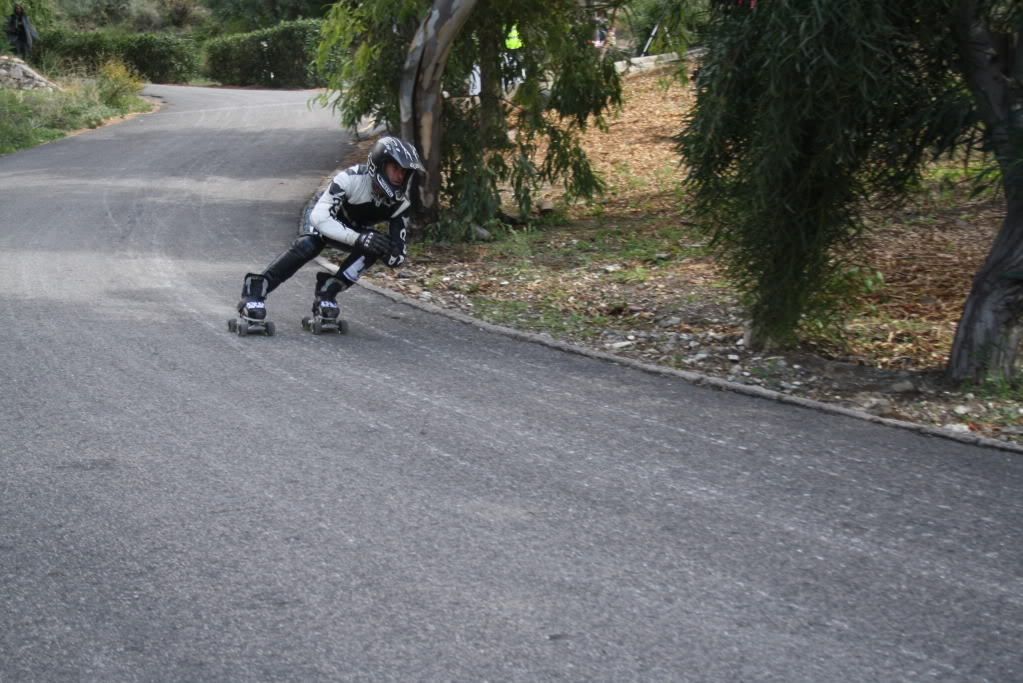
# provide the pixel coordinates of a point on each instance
(278, 57)
(156, 57)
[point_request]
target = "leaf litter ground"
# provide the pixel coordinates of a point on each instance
(628, 275)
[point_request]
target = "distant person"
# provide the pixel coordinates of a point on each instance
(21, 32)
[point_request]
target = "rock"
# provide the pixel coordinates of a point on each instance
(734, 358)
(961, 428)
(903, 387)
(545, 206)
(961, 410)
(619, 345)
(670, 322)
(613, 268)
(481, 233)
(1012, 430)
(16, 75)
(873, 403)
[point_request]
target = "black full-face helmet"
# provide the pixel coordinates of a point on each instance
(400, 152)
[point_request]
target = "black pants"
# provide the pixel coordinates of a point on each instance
(305, 249)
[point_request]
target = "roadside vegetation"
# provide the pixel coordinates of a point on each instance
(631, 274)
(29, 118)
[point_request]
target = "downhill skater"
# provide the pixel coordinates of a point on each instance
(357, 198)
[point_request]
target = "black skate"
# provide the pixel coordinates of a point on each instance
(326, 315)
(252, 309)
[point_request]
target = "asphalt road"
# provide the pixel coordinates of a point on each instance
(420, 499)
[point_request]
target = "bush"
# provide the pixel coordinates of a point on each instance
(31, 117)
(278, 57)
(159, 58)
(118, 85)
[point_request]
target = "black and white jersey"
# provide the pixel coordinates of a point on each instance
(350, 205)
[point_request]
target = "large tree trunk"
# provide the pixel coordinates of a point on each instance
(421, 97)
(988, 337)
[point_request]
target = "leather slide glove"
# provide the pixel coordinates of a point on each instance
(374, 243)
(397, 255)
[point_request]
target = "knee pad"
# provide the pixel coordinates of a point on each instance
(308, 246)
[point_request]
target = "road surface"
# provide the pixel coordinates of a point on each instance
(420, 499)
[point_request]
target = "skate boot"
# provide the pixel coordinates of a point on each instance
(326, 314)
(252, 308)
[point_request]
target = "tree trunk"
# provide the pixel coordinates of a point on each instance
(988, 337)
(421, 97)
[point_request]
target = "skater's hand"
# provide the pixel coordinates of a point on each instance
(374, 243)
(397, 255)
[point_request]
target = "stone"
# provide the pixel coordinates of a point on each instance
(903, 387)
(961, 410)
(872, 403)
(17, 75)
(961, 428)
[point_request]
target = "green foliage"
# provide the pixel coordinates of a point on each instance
(29, 118)
(157, 57)
(520, 132)
(676, 23)
(118, 85)
(280, 57)
(42, 13)
(805, 110)
(250, 15)
(834, 302)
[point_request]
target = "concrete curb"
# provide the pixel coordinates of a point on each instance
(691, 377)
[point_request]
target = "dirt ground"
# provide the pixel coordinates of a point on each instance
(627, 275)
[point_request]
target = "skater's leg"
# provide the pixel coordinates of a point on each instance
(254, 291)
(257, 286)
(353, 267)
(302, 251)
(327, 288)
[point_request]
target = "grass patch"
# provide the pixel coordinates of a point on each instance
(547, 317)
(30, 118)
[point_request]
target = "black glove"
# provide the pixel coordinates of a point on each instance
(374, 243)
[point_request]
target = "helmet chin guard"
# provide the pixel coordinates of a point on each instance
(392, 149)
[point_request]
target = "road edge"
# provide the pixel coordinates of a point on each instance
(690, 377)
